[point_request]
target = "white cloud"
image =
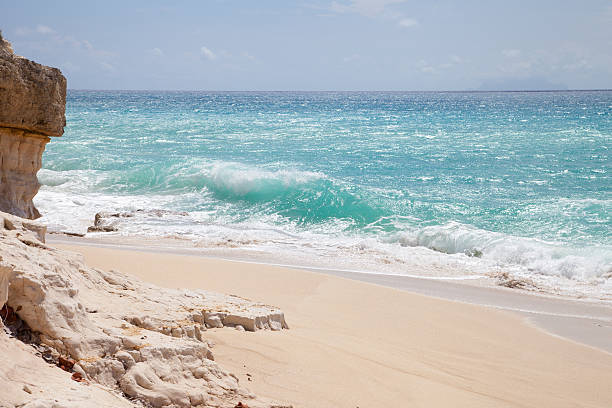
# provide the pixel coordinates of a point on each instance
(408, 22)
(39, 29)
(577, 65)
(438, 68)
(455, 59)
(108, 67)
(52, 38)
(43, 29)
(569, 58)
(83, 51)
(375, 9)
(512, 53)
(157, 52)
(425, 67)
(368, 8)
(87, 45)
(208, 54)
(428, 69)
(351, 58)
(248, 56)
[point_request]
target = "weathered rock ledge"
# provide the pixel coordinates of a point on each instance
(132, 343)
(32, 106)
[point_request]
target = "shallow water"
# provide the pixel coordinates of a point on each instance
(439, 184)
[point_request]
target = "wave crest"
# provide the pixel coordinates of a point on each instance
(535, 255)
(305, 197)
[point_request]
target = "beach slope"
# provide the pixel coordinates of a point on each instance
(354, 344)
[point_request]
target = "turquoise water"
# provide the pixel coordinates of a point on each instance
(517, 179)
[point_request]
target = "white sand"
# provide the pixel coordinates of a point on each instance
(358, 344)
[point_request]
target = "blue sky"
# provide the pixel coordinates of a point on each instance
(317, 45)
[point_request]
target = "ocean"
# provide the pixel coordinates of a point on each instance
(500, 186)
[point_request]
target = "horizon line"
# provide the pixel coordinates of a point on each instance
(349, 91)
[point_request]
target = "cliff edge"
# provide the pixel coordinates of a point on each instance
(32, 108)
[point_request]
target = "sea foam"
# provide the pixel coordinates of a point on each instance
(447, 185)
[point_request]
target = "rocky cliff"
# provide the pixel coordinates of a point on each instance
(32, 105)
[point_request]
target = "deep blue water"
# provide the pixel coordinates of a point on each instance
(517, 178)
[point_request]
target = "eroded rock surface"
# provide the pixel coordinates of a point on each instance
(20, 160)
(32, 96)
(32, 106)
(131, 340)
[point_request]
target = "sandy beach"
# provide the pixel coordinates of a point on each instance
(343, 204)
(359, 344)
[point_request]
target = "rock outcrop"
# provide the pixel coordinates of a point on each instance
(32, 106)
(126, 340)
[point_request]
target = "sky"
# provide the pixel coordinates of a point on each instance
(397, 45)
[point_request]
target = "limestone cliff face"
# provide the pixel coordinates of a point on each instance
(32, 106)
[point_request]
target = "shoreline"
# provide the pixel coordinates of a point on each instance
(583, 321)
(353, 343)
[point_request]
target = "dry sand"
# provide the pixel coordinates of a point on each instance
(355, 344)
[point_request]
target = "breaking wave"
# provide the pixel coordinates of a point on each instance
(309, 206)
(534, 255)
(299, 196)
